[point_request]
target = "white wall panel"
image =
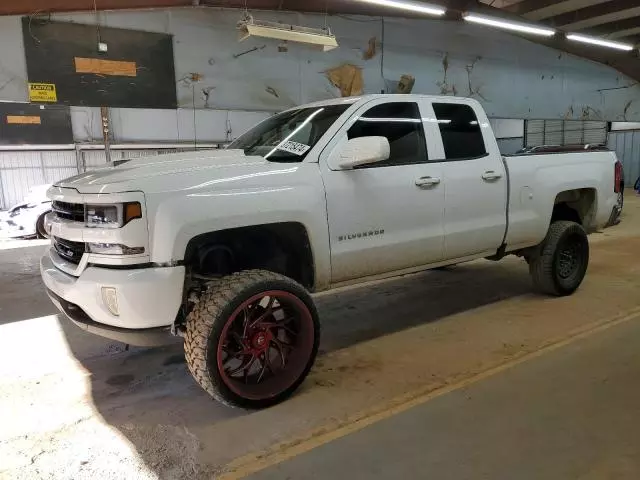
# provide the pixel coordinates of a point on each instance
(507, 127)
(13, 69)
(615, 126)
(139, 125)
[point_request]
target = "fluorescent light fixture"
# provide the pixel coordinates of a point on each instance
(317, 37)
(600, 42)
(417, 7)
(508, 25)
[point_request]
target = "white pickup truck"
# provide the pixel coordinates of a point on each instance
(222, 247)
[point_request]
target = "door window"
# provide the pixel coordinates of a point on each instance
(401, 124)
(461, 135)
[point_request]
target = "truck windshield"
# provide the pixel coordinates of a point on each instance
(288, 136)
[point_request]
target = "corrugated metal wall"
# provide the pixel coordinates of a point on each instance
(19, 171)
(91, 159)
(627, 147)
(22, 170)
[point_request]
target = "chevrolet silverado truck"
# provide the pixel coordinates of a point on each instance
(224, 247)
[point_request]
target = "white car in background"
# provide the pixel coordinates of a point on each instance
(28, 218)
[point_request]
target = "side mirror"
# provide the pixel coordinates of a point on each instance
(364, 151)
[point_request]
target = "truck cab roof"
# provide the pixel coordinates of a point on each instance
(387, 96)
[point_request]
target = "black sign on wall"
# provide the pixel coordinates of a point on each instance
(28, 124)
(137, 70)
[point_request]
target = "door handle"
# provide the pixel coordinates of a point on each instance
(426, 182)
(490, 175)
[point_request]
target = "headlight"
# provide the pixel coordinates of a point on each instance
(111, 216)
(113, 249)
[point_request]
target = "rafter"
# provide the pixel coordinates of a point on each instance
(598, 15)
(542, 9)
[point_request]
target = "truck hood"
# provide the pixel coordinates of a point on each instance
(161, 172)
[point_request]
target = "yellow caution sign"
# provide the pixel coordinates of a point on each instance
(42, 92)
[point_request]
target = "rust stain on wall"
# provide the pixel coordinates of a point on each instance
(348, 78)
(473, 91)
(569, 113)
(445, 88)
(272, 91)
(626, 110)
(406, 83)
(590, 113)
(371, 50)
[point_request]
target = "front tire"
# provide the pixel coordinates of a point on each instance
(560, 264)
(41, 230)
(252, 339)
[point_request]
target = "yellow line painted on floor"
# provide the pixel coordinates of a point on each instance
(253, 463)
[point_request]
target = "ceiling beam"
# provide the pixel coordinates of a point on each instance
(336, 6)
(625, 62)
(625, 33)
(527, 6)
(598, 15)
(620, 29)
(542, 9)
(28, 7)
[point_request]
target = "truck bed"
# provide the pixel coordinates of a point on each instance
(536, 180)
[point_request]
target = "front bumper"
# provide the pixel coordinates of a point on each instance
(148, 298)
(147, 337)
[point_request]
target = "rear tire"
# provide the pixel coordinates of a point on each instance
(619, 206)
(560, 264)
(252, 338)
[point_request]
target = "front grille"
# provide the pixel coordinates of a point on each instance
(71, 251)
(69, 211)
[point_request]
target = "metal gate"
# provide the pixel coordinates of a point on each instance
(564, 132)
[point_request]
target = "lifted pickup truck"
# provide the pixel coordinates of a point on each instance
(222, 247)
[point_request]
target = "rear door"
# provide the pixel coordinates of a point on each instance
(386, 216)
(475, 180)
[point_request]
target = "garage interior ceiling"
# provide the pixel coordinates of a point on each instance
(617, 20)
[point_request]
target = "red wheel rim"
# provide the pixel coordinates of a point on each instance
(265, 345)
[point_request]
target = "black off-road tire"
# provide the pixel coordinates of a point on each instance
(544, 265)
(207, 321)
(41, 231)
(619, 206)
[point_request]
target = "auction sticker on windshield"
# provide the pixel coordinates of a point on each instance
(294, 147)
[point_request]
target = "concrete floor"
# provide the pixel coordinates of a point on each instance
(455, 374)
(571, 414)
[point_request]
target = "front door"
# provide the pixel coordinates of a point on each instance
(385, 216)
